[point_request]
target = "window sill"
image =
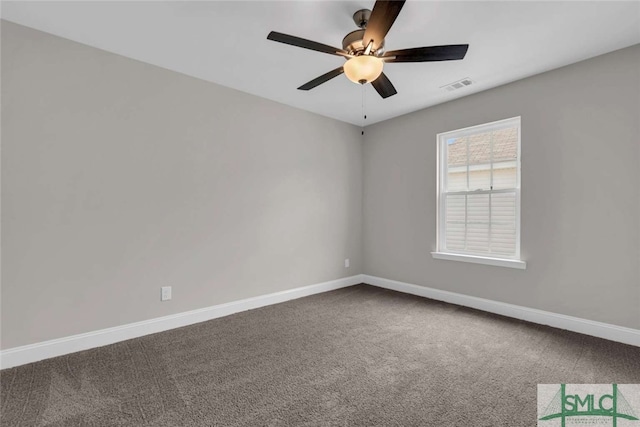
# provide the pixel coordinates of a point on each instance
(499, 262)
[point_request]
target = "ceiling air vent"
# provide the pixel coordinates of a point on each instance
(458, 84)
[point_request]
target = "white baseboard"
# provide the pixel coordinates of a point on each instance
(561, 321)
(44, 350)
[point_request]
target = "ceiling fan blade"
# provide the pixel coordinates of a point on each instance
(307, 44)
(322, 79)
(425, 54)
(383, 86)
(382, 17)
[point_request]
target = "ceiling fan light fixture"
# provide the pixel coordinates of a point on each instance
(366, 59)
(363, 69)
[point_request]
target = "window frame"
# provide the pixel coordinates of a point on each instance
(441, 181)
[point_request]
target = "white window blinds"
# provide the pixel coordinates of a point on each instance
(479, 190)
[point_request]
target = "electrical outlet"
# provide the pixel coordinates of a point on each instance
(166, 293)
(347, 263)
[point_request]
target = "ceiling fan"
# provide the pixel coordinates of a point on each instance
(364, 49)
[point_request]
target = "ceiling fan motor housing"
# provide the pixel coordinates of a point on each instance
(353, 43)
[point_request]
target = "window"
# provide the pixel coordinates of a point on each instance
(479, 194)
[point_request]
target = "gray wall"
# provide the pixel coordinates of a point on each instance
(119, 177)
(580, 192)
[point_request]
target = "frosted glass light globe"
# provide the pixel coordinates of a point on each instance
(363, 69)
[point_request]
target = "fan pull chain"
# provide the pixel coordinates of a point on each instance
(364, 114)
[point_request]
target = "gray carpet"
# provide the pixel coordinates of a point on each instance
(359, 356)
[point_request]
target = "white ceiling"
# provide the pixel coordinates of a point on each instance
(225, 42)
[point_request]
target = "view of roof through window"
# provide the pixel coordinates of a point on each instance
(504, 147)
